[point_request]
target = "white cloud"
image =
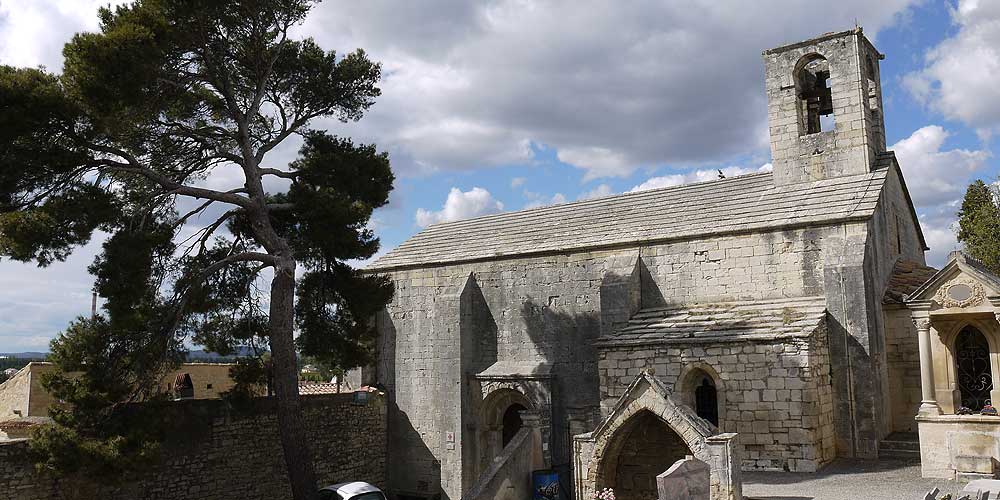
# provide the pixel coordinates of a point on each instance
(937, 180)
(598, 192)
(517, 182)
(934, 176)
(696, 176)
(460, 205)
(32, 32)
(37, 303)
(598, 162)
(618, 85)
(959, 76)
(544, 202)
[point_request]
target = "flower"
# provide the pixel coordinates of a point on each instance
(605, 494)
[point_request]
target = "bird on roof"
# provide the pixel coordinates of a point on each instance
(721, 175)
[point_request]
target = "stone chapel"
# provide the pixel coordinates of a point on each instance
(770, 305)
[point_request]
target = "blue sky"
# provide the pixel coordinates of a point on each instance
(504, 104)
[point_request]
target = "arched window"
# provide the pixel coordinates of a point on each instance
(815, 93)
(975, 379)
(706, 401)
(512, 422)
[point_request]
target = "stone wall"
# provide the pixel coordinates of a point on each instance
(447, 323)
(954, 445)
(230, 455)
(776, 395)
(210, 381)
(903, 357)
(14, 395)
(894, 236)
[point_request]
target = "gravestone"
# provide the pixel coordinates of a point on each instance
(687, 479)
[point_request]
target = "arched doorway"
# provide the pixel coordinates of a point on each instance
(972, 359)
(641, 449)
(499, 422)
(512, 422)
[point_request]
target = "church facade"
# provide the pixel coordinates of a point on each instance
(769, 304)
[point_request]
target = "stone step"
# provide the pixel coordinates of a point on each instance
(891, 453)
(900, 445)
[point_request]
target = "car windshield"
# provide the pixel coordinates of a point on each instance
(371, 495)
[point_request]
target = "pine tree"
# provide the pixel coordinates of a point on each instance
(979, 224)
(166, 94)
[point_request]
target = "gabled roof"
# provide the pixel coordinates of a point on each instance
(644, 382)
(722, 321)
(957, 262)
(888, 161)
(907, 277)
(734, 205)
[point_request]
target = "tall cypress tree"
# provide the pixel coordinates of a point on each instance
(166, 94)
(979, 224)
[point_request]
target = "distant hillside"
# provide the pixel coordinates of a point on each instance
(24, 355)
(202, 356)
(196, 356)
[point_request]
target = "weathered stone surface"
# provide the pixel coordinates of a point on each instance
(234, 457)
(558, 286)
(687, 479)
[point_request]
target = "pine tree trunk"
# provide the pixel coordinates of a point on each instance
(291, 427)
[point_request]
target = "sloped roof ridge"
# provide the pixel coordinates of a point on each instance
(818, 299)
(598, 200)
(825, 185)
(742, 203)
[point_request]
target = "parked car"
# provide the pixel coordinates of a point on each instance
(351, 491)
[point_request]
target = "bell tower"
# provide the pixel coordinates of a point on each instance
(824, 105)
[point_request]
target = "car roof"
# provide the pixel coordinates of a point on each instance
(348, 490)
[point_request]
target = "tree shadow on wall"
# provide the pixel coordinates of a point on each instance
(411, 468)
(564, 341)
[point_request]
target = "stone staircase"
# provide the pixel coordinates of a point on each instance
(900, 445)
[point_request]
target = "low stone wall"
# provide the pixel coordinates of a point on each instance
(230, 455)
(956, 445)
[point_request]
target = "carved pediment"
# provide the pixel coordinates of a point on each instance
(963, 283)
(960, 292)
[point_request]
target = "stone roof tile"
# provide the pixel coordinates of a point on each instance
(907, 277)
(745, 203)
(722, 321)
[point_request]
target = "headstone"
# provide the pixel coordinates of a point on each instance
(687, 479)
(982, 488)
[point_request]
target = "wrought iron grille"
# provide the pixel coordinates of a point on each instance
(975, 379)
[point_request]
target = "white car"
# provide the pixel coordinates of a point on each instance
(351, 491)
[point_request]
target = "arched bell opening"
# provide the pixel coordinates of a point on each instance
(814, 89)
